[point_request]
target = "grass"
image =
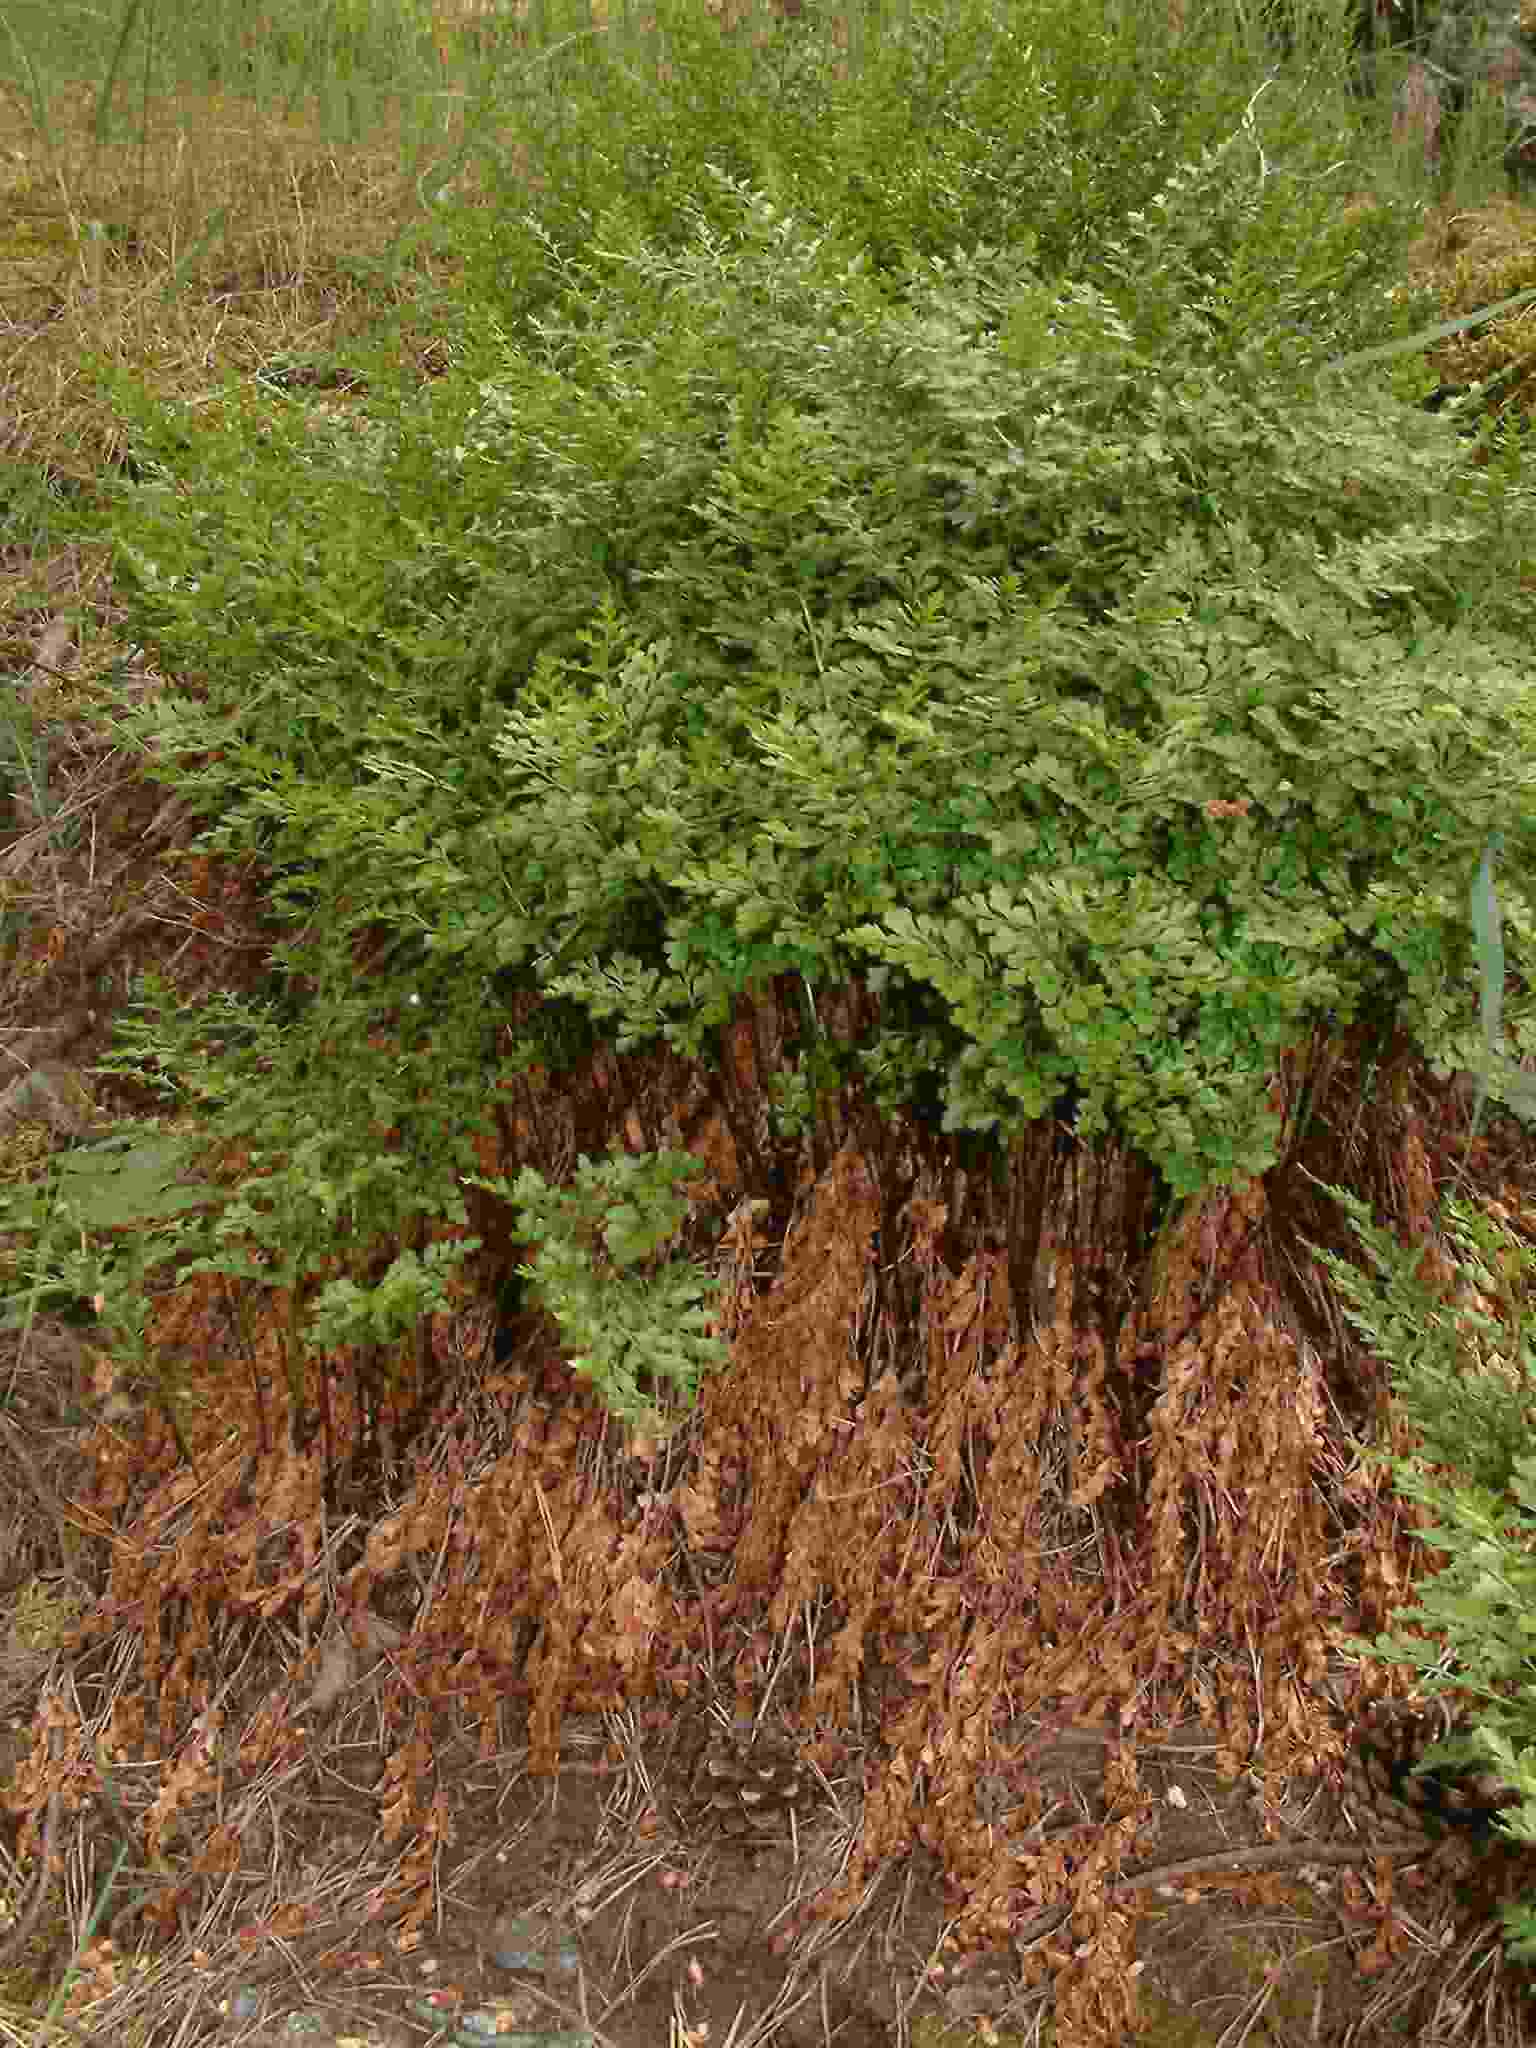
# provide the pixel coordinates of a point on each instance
(218, 188)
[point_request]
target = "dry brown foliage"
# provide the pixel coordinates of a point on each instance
(987, 1464)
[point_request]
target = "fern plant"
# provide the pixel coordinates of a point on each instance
(1465, 1382)
(1060, 652)
(1026, 607)
(636, 1335)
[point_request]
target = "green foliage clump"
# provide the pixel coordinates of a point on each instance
(1465, 1382)
(344, 1162)
(624, 1324)
(1060, 652)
